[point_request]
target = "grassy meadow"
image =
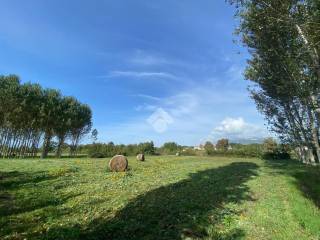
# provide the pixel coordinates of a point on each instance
(166, 197)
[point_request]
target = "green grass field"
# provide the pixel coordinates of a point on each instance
(162, 198)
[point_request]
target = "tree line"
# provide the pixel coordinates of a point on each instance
(284, 68)
(31, 115)
(268, 149)
(102, 150)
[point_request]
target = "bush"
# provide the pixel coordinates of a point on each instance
(189, 152)
(274, 151)
(209, 147)
(222, 144)
(238, 150)
(97, 155)
(170, 148)
(278, 154)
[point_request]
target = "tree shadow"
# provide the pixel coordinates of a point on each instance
(306, 177)
(23, 192)
(193, 208)
(15, 179)
(66, 156)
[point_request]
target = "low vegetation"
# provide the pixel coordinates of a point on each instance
(269, 149)
(165, 197)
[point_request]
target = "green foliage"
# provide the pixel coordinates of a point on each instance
(284, 68)
(209, 147)
(274, 151)
(166, 197)
(222, 144)
(101, 150)
(94, 135)
(269, 145)
(188, 151)
(146, 148)
(29, 113)
(239, 150)
(170, 148)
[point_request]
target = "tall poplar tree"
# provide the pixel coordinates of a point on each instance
(283, 40)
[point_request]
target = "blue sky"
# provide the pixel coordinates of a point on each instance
(151, 70)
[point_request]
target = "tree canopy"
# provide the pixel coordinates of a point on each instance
(284, 68)
(30, 115)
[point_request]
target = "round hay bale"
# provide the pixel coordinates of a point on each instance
(140, 157)
(177, 154)
(118, 163)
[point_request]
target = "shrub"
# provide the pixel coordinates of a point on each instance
(170, 148)
(276, 156)
(222, 144)
(188, 152)
(209, 147)
(274, 151)
(269, 146)
(238, 150)
(97, 155)
(280, 153)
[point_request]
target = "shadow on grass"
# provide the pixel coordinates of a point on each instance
(50, 156)
(194, 208)
(307, 177)
(66, 156)
(30, 194)
(14, 179)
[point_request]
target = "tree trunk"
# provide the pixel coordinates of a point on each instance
(60, 144)
(46, 144)
(315, 136)
(312, 50)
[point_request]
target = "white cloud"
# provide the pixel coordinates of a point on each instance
(238, 128)
(232, 125)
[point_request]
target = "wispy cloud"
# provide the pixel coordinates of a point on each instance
(145, 58)
(137, 74)
(195, 117)
(177, 105)
(141, 57)
(145, 107)
(235, 72)
(196, 108)
(146, 96)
